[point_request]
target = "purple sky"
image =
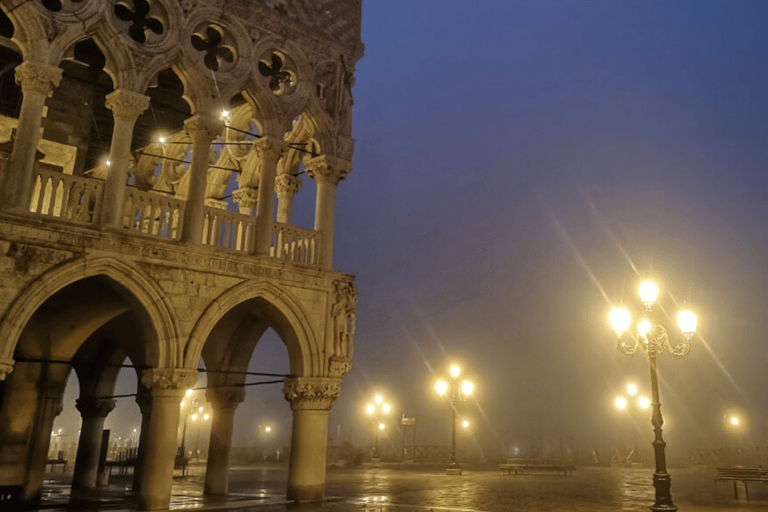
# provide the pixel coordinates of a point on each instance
(514, 160)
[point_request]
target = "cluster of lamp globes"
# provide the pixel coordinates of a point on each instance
(453, 390)
(643, 403)
(620, 317)
(197, 414)
(377, 408)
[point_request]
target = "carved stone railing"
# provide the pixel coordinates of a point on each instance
(295, 244)
(229, 230)
(73, 198)
(153, 213)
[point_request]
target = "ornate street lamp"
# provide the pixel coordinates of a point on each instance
(455, 392)
(375, 411)
(652, 338)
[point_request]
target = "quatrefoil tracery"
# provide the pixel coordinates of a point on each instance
(139, 19)
(276, 70)
(211, 44)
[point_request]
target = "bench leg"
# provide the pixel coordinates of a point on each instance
(746, 490)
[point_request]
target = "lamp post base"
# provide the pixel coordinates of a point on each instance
(662, 483)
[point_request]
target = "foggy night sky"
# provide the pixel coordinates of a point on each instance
(513, 161)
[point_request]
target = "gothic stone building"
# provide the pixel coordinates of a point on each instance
(151, 155)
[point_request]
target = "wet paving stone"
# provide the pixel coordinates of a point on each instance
(411, 488)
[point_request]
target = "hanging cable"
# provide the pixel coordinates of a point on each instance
(147, 367)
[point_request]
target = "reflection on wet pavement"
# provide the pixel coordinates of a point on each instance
(402, 488)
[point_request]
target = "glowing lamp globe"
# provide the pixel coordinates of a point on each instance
(687, 322)
(648, 293)
(619, 319)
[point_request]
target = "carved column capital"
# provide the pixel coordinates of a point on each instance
(126, 103)
(95, 407)
(245, 198)
(225, 398)
(311, 393)
(204, 127)
(327, 168)
(286, 186)
(37, 77)
(168, 381)
(6, 367)
(270, 149)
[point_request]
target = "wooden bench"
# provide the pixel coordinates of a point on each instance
(521, 466)
(126, 458)
(743, 475)
(61, 460)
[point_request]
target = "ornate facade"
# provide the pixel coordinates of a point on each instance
(151, 156)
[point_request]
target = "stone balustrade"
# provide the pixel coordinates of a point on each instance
(64, 196)
(78, 200)
(153, 213)
(299, 245)
(229, 230)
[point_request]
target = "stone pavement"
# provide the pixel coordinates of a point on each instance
(419, 488)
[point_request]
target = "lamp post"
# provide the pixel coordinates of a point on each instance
(193, 403)
(735, 424)
(455, 392)
(652, 338)
(633, 403)
(375, 411)
(263, 440)
(203, 417)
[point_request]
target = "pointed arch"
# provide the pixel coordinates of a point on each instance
(144, 289)
(284, 315)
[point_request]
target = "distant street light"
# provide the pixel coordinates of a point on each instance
(264, 440)
(631, 406)
(455, 392)
(375, 411)
(203, 417)
(652, 338)
(192, 404)
(736, 425)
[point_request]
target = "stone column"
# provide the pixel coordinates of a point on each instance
(286, 187)
(269, 150)
(310, 399)
(93, 412)
(224, 402)
(167, 386)
(202, 130)
(327, 171)
(49, 406)
(37, 80)
(144, 401)
(126, 107)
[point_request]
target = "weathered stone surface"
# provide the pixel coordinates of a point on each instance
(118, 242)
